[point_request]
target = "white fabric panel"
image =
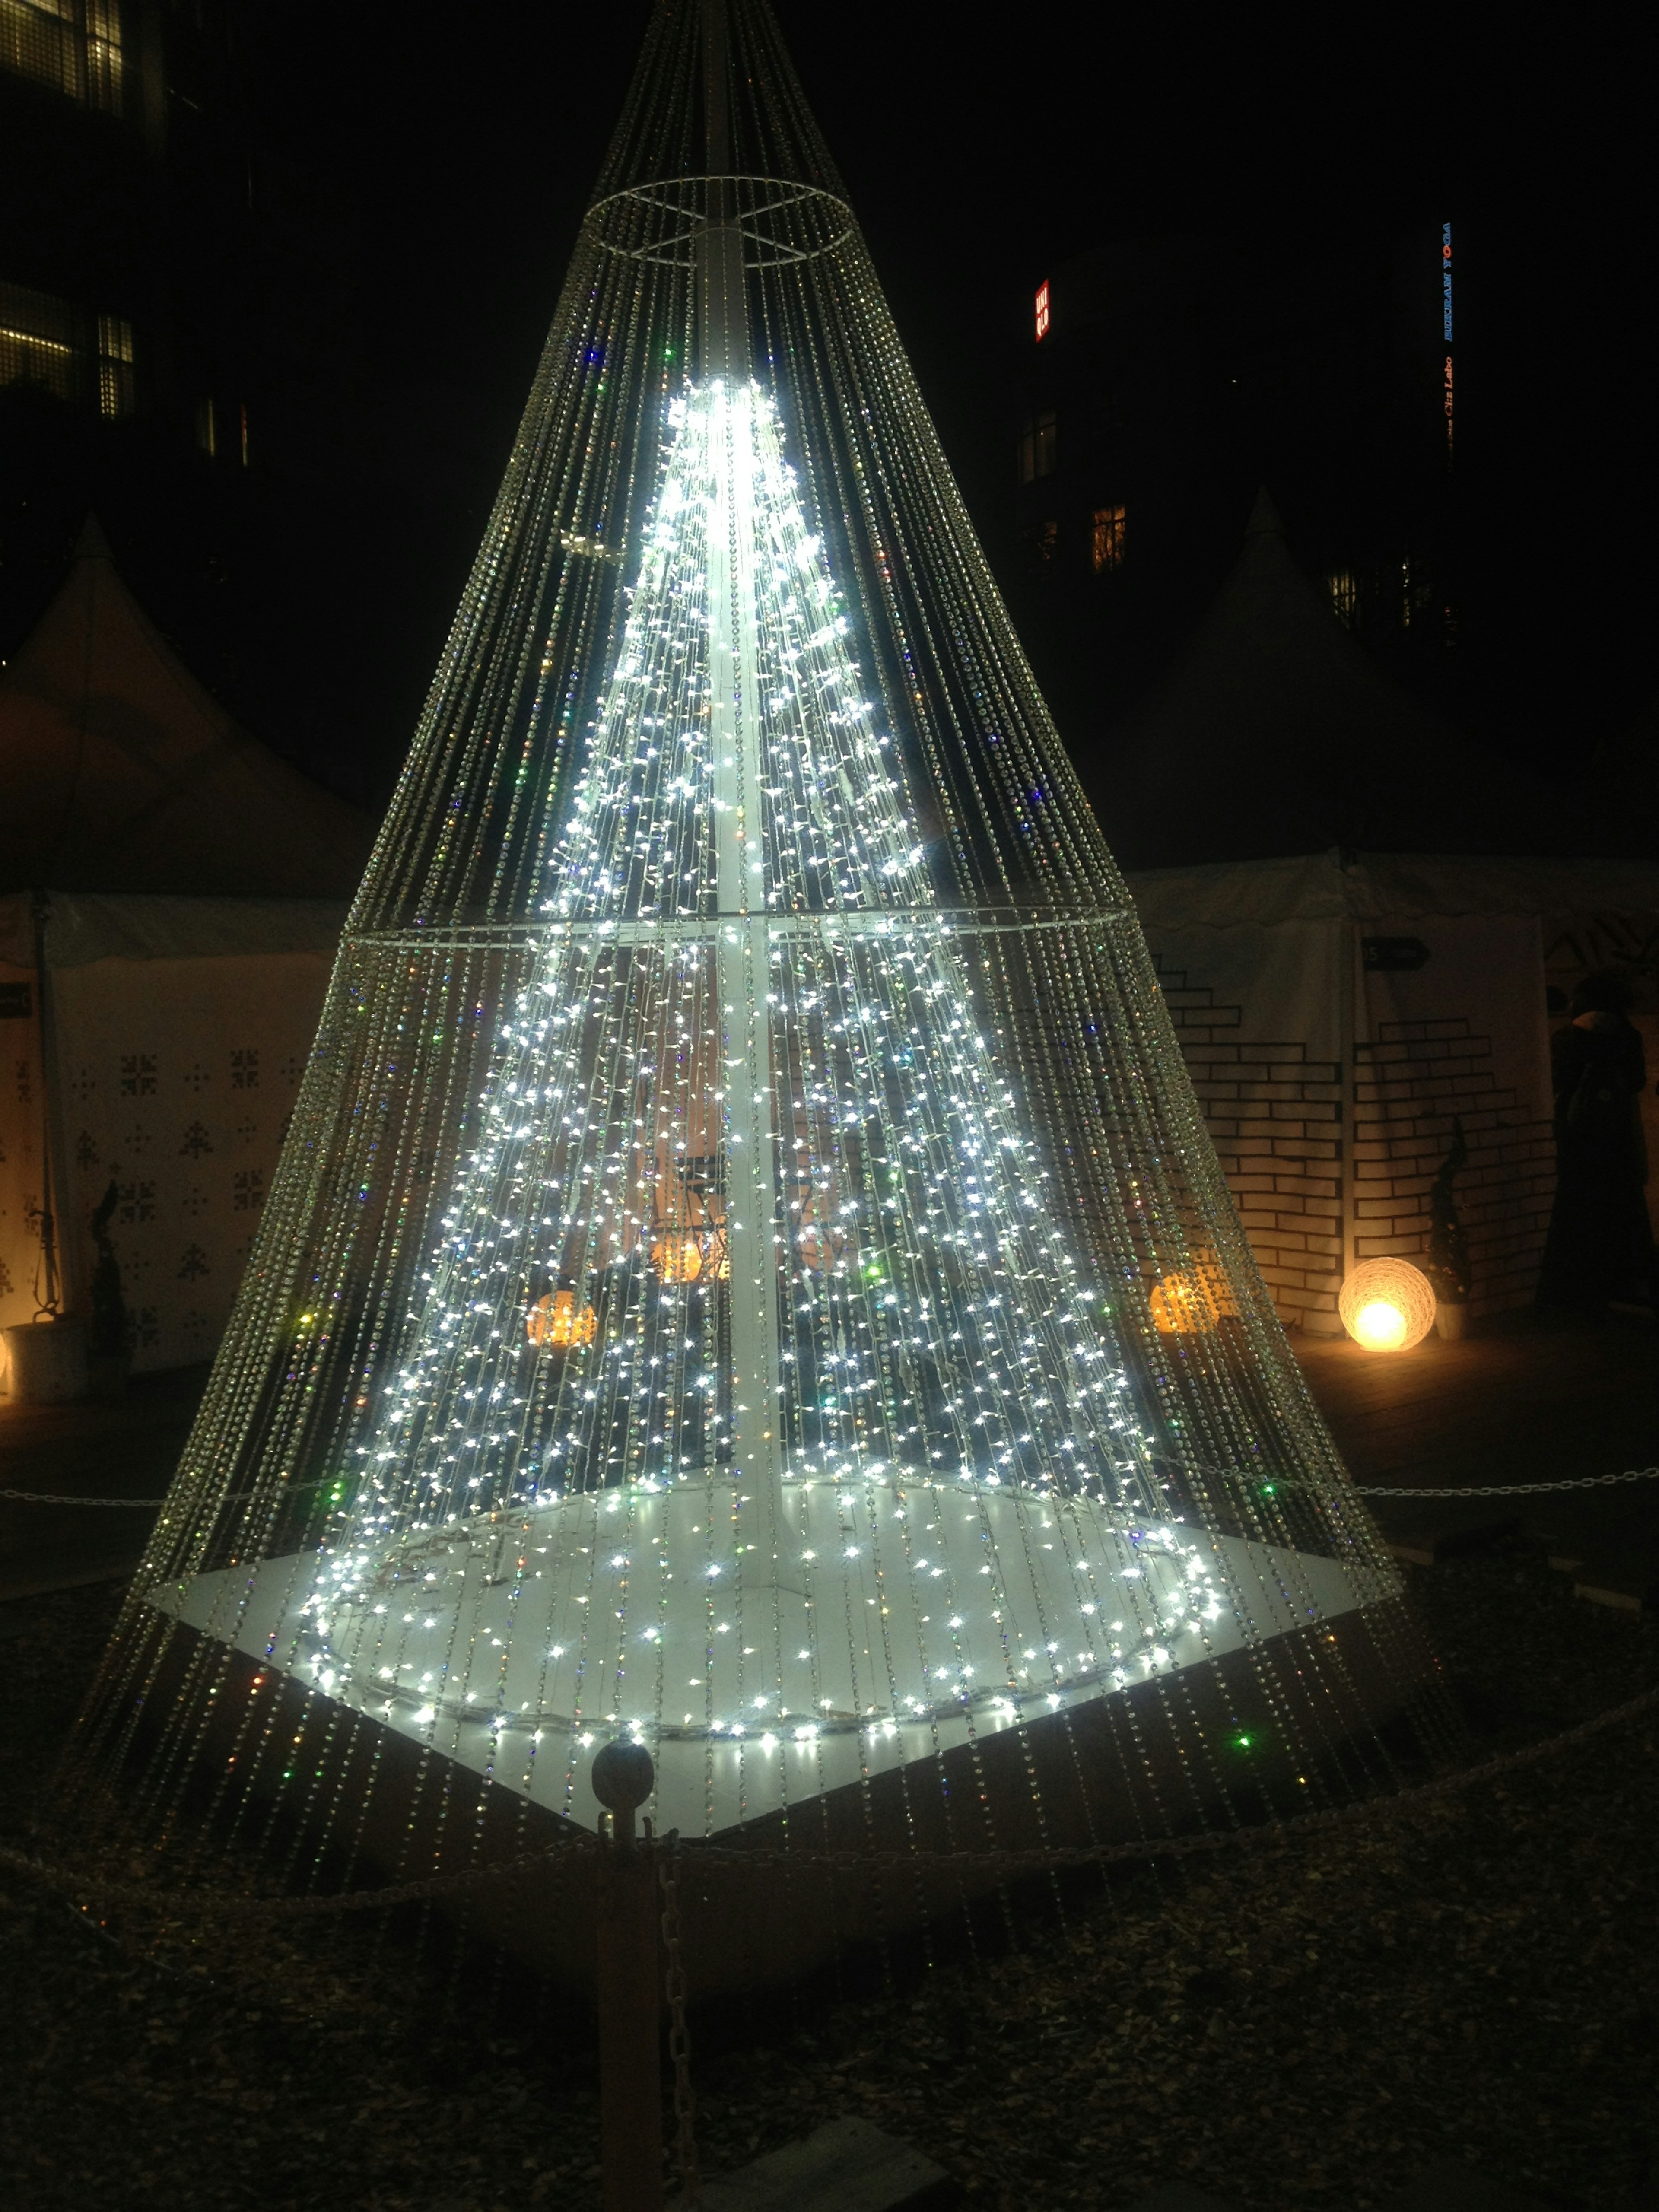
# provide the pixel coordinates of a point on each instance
(1252, 956)
(17, 930)
(20, 1129)
(1373, 886)
(85, 927)
(1487, 969)
(1228, 894)
(1279, 985)
(1406, 883)
(176, 1077)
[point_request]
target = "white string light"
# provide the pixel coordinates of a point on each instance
(748, 1271)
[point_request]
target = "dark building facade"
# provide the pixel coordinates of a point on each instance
(125, 221)
(177, 335)
(1158, 383)
(127, 308)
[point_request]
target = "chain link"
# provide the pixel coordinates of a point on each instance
(679, 2042)
(1254, 1481)
(1510, 1489)
(1360, 1490)
(47, 1497)
(231, 1498)
(569, 1857)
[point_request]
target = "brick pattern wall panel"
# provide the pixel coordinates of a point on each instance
(1411, 1082)
(1274, 1117)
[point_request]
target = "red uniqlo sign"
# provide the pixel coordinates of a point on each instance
(1043, 311)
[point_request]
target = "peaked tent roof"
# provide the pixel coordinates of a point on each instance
(1275, 733)
(1387, 886)
(119, 773)
(1624, 772)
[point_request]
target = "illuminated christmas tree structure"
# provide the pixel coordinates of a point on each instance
(748, 1271)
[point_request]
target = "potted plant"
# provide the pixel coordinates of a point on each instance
(109, 1338)
(45, 1360)
(1447, 1265)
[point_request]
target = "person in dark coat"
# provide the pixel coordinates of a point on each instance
(1600, 1242)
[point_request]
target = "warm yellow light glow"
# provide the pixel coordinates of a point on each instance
(1380, 1327)
(1190, 1302)
(1387, 1304)
(678, 1258)
(557, 1320)
(1108, 538)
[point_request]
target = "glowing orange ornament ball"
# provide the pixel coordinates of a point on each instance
(678, 1258)
(558, 1322)
(1192, 1300)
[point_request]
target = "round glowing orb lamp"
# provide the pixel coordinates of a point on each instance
(1387, 1305)
(558, 1321)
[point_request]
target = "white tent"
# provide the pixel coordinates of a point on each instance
(1338, 1012)
(177, 1030)
(171, 893)
(1275, 730)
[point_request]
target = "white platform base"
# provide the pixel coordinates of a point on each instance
(766, 1649)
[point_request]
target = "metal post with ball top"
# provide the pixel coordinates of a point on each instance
(627, 1986)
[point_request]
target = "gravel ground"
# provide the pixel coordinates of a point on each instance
(1307, 2025)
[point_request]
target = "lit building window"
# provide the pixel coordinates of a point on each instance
(1043, 311)
(115, 393)
(76, 49)
(1344, 587)
(1108, 538)
(207, 428)
(103, 55)
(45, 342)
(40, 39)
(39, 342)
(1037, 446)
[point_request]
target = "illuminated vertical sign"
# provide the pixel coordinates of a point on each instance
(1043, 303)
(1446, 325)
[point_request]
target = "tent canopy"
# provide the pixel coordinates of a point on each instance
(1274, 732)
(119, 773)
(1396, 887)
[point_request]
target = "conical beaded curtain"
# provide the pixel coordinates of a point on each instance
(748, 1271)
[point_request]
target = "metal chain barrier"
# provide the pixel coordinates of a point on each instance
(231, 1498)
(46, 1497)
(1509, 1489)
(567, 1858)
(679, 2042)
(1360, 1489)
(1254, 1480)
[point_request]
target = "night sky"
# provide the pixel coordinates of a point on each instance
(437, 183)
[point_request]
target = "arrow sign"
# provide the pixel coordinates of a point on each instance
(1394, 955)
